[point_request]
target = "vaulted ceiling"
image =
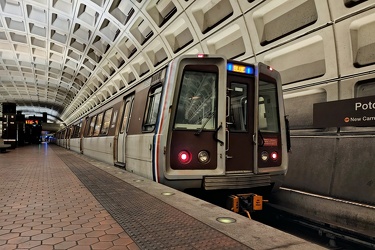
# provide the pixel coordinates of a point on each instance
(67, 57)
(56, 55)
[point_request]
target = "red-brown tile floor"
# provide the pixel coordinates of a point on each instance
(44, 206)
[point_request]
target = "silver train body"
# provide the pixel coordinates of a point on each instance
(201, 122)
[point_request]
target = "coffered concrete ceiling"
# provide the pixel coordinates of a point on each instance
(68, 57)
(51, 49)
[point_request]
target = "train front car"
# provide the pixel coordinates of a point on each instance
(221, 127)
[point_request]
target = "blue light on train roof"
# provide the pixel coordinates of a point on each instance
(240, 68)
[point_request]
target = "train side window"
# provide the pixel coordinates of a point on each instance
(92, 125)
(74, 133)
(72, 130)
(106, 120)
(77, 130)
(126, 116)
(86, 127)
(79, 127)
(69, 132)
(114, 119)
(98, 124)
(152, 109)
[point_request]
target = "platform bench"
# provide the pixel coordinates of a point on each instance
(3, 147)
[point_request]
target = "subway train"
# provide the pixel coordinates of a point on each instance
(202, 122)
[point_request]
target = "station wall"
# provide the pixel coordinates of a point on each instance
(324, 50)
(329, 58)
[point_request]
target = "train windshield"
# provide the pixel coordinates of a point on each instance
(268, 107)
(196, 108)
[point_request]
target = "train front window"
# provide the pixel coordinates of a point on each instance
(196, 107)
(268, 107)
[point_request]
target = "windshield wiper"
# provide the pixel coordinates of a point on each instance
(199, 131)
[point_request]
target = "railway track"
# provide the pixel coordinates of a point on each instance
(326, 235)
(331, 223)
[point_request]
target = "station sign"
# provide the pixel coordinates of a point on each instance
(357, 112)
(32, 121)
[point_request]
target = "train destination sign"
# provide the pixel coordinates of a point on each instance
(358, 112)
(240, 68)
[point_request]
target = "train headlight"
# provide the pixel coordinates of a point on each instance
(264, 155)
(274, 156)
(203, 157)
(184, 157)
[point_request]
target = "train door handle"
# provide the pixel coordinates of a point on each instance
(228, 107)
(227, 139)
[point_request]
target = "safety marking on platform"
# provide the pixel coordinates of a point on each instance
(151, 223)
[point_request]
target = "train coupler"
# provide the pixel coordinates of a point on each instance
(245, 203)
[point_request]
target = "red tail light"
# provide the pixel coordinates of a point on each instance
(184, 157)
(274, 156)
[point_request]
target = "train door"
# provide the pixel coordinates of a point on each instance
(65, 134)
(70, 132)
(122, 132)
(67, 137)
(240, 123)
(82, 134)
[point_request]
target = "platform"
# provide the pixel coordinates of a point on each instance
(52, 198)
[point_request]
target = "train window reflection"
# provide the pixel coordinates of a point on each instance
(79, 126)
(98, 124)
(106, 120)
(76, 130)
(114, 119)
(125, 117)
(196, 106)
(92, 125)
(153, 109)
(238, 107)
(268, 107)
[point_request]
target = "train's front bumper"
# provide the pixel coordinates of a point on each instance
(236, 181)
